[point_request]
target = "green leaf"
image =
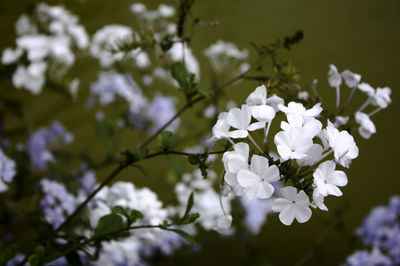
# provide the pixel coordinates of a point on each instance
(106, 132)
(108, 224)
(135, 215)
(185, 235)
(167, 140)
(33, 260)
(189, 206)
(119, 210)
(134, 155)
(180, 74)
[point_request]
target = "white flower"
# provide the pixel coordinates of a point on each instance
(311, 128)
(258, 96)
(257, 102)
(293, 144)
(240, 119)
(327, 180)
(7, 171)
(341, 120)
(292, 206)
(177, 53)
(221, 128)
(223, 224)
(314, 155)
(351, 79)
(234, 161)
(257, 181)
(166, 11)
(366, 88)
(367, 127)
(299, 111)
(342, 143)
(303, 95)
(318, 201)
(31, 77)
(274, 101)
(10, 55)
(381, 97)
(334, 77)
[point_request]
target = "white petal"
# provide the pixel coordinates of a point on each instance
(272, 174)
(302, 198)
(279, 204)
(238, 134)
(259, 164)
(289, 192)
(302, 214)
(266, 190)
(256, 125)
(247, 178)
(339, 178)
(287, 215)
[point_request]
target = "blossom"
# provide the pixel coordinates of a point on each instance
(223, 224)
(342, 143)
(367, 127)
(240, 119)
(314, 155)
(351, 79)
(221, 128)
(292, 206)
(42, 141)
(257, 97)
(327, 180)
(257, 180)
(274, 101)
(381, 97)
(7, 171)
(160, 111)
(234, 161)
(297, 110)
(341, 120)
(366, 88)
(318, 201)
(334, 77)
(30, 77)
(293, 143)
(57, 202)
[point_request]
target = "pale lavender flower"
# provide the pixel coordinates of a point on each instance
(57, 202)
(366, 258)
(41, 142)
(160, 111)
(7, 171)
(256, 213)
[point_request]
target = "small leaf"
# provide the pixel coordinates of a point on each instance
(108, 224)
(189, 206)
(167, 140)
(185, 235)
(135, 215)
(180, 74)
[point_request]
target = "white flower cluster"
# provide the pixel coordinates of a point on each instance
(303, 161)
(46, 40)
(107, 40)
(378, 98)
(226, 59)
(214, 210)
(124, 194)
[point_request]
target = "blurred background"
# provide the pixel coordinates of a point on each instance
(362, 36)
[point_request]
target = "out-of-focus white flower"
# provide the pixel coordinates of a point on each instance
(223, 224)
(257, 181)
(303, 95)
(314, 155)
(240, 120)
(381, 97)
(367, 127)
(31, 77)
(166, 11)
(341, 120)
(366, 88)
(327, 179)
(342, 143)
(11, 55)
(334, 77)
(179, 51)
(292, 206)
(351, 79)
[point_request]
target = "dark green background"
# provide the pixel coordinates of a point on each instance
(362, 36)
